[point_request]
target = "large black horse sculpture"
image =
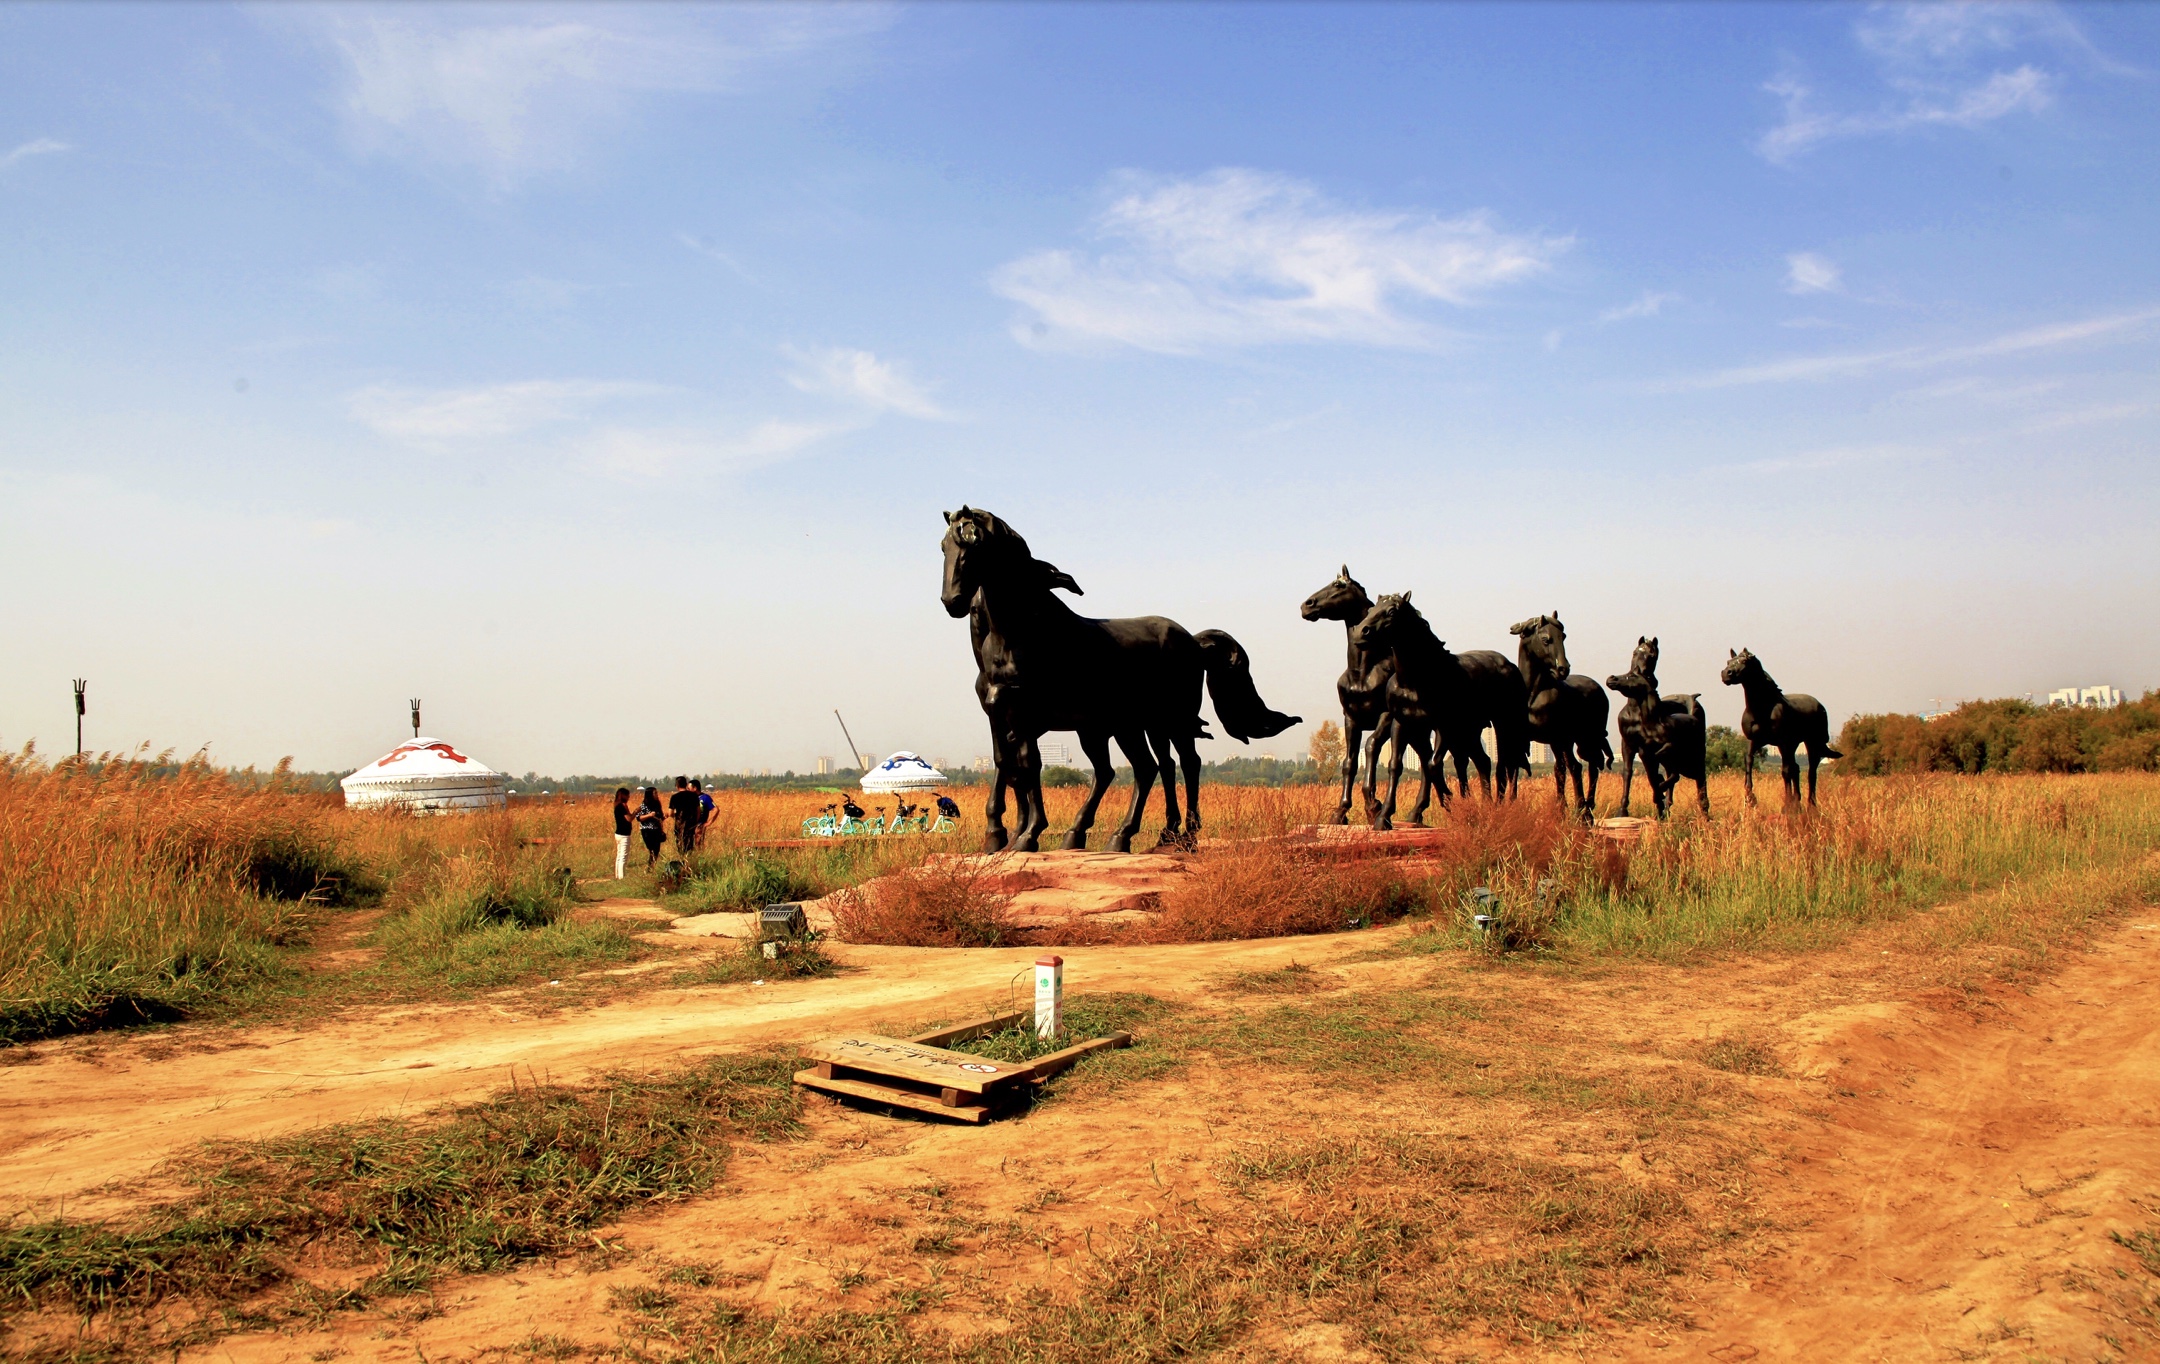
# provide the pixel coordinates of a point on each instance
(1567, 713)
(1138, 680)
(1362, 689)
(1776, 719)
(1671, 734)
(1431, 691)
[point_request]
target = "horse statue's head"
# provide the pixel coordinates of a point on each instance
(1341, 599)
(1739, 667)
(1544, 642)
(1385, 624)
(1646, 655)
(1632, 684)
(980, 548)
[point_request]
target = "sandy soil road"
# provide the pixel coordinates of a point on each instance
(80, 1113)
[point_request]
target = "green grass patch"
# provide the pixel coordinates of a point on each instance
(525, 1174)
(742, 879)
(803, 958)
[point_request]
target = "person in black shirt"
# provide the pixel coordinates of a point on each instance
(683, 806)
(946, 807)
(652, 825)
(622, 829)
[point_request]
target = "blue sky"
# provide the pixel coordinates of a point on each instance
(598, 374)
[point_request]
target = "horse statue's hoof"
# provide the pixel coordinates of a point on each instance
(994, 841)
(1076, 841)
(1121, 844)
(1339, 817)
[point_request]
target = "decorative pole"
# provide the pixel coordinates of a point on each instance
(80, 684)
(416, 717)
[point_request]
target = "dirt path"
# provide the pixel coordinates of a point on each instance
(1956, 1189)
(79, 1113)
(1947, 1166)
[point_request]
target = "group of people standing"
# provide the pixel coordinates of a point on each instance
(690, 809)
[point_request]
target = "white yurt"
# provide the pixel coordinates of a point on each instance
(903, 771)
(427, 776)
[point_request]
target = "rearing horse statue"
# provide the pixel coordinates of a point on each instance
(1630, 721)
(1567, 713)
(1362, 689)
(1137, 679)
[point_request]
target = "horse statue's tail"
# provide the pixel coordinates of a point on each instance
(1829, 752)
(1230, 686)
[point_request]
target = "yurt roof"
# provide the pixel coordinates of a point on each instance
(422, 759)
(903, 771)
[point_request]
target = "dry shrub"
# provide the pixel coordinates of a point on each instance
(1269, 889)
(947, 902)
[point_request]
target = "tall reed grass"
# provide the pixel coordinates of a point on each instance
(127, 892)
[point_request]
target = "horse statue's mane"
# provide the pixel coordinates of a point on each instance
(989, 527)
(1398, 603)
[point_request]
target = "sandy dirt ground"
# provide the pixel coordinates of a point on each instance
(79, 1113)
(1944, 1166)
(1955, 1188)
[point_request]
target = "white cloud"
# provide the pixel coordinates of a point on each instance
(38, 146)
(519, 91)
(2027, 89)
(649, 453)
(2114, 325)
(1242, 257)
(1808, 273)
(491, 412)
(1960, 65)
(857, 376)
(711, 252)
(1650, 304)
(1935, 35)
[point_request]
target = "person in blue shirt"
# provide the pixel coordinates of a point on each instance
(705, 809)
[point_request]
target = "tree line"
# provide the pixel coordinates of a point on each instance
(2007, 736)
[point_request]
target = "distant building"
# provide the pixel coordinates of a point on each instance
(824, 767)
(2092, 698)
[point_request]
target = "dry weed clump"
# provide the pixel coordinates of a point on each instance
(1270, 889)
(946, 902)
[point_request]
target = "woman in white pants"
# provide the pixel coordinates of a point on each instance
(622, 829)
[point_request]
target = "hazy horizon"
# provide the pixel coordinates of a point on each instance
(599, 375)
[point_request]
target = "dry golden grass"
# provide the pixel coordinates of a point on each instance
(132, 890)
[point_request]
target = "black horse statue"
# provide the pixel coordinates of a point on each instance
(1138, 680)
(1776, 719)
(1448, 697)
(1644, 665)
(1362, 689)
(1567, 714)
(1671, 733)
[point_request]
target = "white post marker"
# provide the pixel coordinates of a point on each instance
(1049, 996)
